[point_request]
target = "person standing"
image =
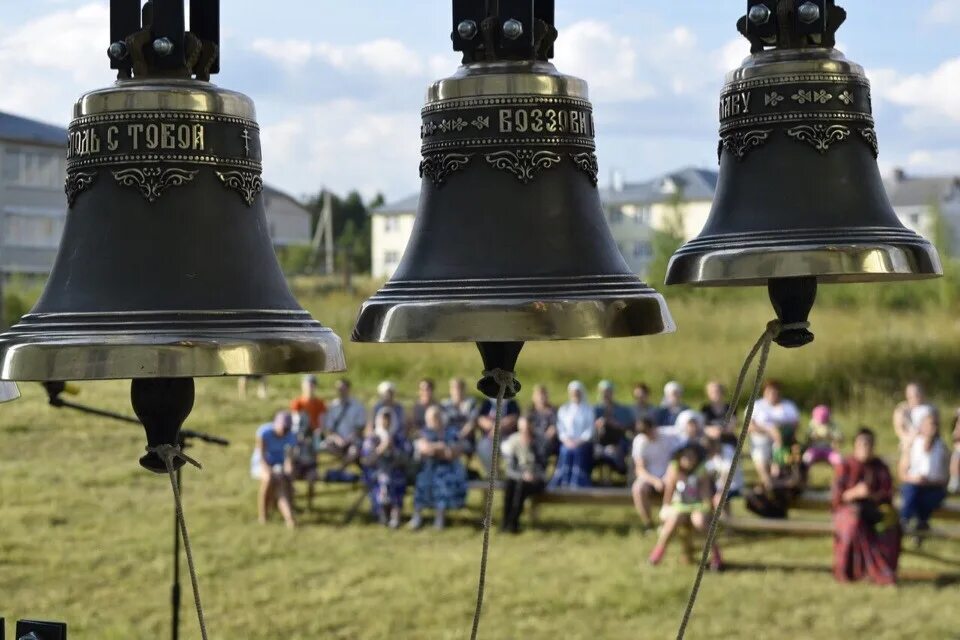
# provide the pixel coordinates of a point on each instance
(672, 405)
(923, 475)
(344, 423)
(772, 430)
(526, 469)
(272, 465)
(575, 426)
(308, 402)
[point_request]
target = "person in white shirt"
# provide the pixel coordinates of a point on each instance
(652, 451)
(910, 413)
(772, 430)
(575, 427)
(719, 463)
(924, 471)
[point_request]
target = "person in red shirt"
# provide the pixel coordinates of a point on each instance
(308, 402)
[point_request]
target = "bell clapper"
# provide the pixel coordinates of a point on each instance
(162, 405)
(498, 356)
(793, 300)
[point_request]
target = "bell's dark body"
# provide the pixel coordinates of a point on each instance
(166, 268)
(800, 194)
(510, 242)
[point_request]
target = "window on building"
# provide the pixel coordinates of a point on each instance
(391, 258)
(642, 249)
(38, 232)
(914, 219)
(39, 168)
(391, 224)
(642, 215)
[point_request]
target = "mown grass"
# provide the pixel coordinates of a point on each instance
(85, 534)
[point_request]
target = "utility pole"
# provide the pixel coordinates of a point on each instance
(324, 236)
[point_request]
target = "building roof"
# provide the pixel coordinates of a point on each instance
(271, 193)
(694, 184)
(906, 191)
(407, 205)
(18, 129)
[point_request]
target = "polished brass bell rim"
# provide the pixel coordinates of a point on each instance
(507, 78)
(513, 310)
(109, 355)
(173, 95)
(8, 391)
(745, 259)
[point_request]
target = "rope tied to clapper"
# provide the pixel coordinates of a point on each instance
(168, 453)
(762, 347)
(506, 381)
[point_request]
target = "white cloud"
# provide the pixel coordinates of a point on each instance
(383, 56)
(930, 97)
(931, 161)
(592, 50)
(942, 13)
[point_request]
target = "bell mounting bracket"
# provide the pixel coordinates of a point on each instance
(791, 24)
(151, 40)
(491, 30)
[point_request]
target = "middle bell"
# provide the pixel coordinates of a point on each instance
(510, 241)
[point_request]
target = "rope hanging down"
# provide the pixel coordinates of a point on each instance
(774, 328)
(168, 453)
(505, 380)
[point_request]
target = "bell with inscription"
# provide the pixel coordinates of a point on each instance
(510, 242)
(165, 269)
(800, 198)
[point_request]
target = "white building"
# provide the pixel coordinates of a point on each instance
(680, 202)
(33, 206)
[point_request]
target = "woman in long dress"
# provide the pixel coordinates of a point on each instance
(441, 483)
(867, 532)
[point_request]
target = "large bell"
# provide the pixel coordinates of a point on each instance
(800, 194)
(166, 268)
(510, 242)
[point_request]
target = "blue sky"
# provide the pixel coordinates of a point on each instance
(339, 85)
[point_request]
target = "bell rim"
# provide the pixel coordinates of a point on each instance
(511, 320)
(507, 78)
(107, 355)
(174, 95)
(830, 263)
(828, 61)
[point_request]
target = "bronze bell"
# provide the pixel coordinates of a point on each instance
(8, 391)
(166, 269)
(510, 242)
(799, 195)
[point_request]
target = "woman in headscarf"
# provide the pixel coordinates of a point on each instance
(442, 480)
(575, 428)
(866, 541)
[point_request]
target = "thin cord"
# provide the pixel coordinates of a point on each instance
(774, 328)
(168, 453)
(506, 380)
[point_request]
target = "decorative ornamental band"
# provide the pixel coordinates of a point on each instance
(743, 105)
(821, 137)
(133, 138)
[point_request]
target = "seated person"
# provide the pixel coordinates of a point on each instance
(304, 458)
(343, 426)
(719, 464)
(418, 413)
(543, 418)
(687, 497)
(672, 405)
(308, 402)
(908, 415)
(387, 399)
(652, 452)
(954, 486)
(923, 475)
(442, 480)
(575, 428)
(772, 431)
(613, 424)
(383, 461)
(486, 418)
(272, 465)
(823, 439)
(866, 542)
(460, 410)
(526, 468)
(716, 425)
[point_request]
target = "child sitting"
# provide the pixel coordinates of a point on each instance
(384, 472)
(823, 439)
(687, 497)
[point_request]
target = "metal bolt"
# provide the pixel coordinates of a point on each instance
(512, 29)
(759, 14)
(117, 51)
(163, 46)
(467, 29)
(808, 13)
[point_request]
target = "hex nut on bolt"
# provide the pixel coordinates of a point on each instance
(808, 13)
(467, 29)
(513, 29)
(759, 14)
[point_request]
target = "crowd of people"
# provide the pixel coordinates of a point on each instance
(675, 459)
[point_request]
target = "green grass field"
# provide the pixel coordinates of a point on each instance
(85, 534)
